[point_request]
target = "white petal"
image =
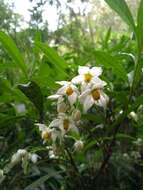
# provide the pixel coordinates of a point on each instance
(96, 71)
(62, 82)
(78, 79)
(72, 98)
(54, 97)
(74, 128)
(42, 127)
(98, 83)
(85, 86)
(62, 130)
(102, 102)
(83, 95)
(74, 88)
(83, 70)
(55, 123)
(62, 90)
(88, 103)
(55, 134)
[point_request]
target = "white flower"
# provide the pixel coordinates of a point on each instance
(87, 75)
(33, 157)
(78, 145)
(64, 123)
(92, 96)
(45, 131)
(22, 152)
(69, 90)
(15, 158)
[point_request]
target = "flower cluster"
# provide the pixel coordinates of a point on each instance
(83, 91)
(23, 155)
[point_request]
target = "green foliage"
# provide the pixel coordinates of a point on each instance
(13, 51)
(123, 11)
(113, 137)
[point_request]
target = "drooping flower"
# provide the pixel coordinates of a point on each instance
(64, 123)
(93, 95)
(46, 132)
(68, 89)
(18, 156)
(87, 75)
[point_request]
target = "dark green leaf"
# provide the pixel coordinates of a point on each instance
(33, 92)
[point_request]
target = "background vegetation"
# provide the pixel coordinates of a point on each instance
(33, 58)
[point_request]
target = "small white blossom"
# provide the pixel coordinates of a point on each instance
(93, 96)
(18, 156)
(33, 157)
(22, 152)
(87, 76)
(64, 123)
(69, 90)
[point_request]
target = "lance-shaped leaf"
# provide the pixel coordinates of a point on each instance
(140, 26)
(34, 94)
(122, 9)
(13, 51)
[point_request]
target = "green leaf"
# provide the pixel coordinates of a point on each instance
(41, 180)
(55, 60)
(33, 92)
(92, 117)
(90, 145)
(111, 62)
(107, 37)
(140, 25)
(122, 9)
(13, 51)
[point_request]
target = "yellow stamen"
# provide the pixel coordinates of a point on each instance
(87, 77)
(66, 124)
(46, 135)
(69, 91)
(95, 94)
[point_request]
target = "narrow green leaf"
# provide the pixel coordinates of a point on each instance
(52, 55)
(33, 92)
(111, 62)
(13, 51)
(107, 37)
(40, 181)
(122, 9)
(140, 26)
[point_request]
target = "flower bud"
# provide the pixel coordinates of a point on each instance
(76, 114)
(62, 107)
(78, 145)
(133, 115)
(34, 158)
